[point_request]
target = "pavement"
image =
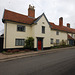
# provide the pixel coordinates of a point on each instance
(4, 57)
(61, 62)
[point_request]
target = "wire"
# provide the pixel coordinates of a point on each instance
(38, 6)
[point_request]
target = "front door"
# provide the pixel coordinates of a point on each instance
(39, 44)
(71, 42)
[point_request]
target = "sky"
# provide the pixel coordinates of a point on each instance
(53, 9)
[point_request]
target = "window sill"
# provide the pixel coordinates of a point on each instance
(20, 31)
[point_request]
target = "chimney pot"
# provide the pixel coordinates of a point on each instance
(68, 25)
(61, 21)
(31, 11)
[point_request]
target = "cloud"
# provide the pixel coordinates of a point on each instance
(52, 8)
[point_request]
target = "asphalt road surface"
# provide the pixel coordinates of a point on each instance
(57, 63)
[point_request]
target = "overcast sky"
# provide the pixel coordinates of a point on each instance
(53, 9)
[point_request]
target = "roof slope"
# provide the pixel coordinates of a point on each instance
(16, 17)
(62, 28)
(70, 38)
(40, 17)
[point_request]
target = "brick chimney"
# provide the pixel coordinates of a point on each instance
(68, 25)
(31, 11)
(61, 21)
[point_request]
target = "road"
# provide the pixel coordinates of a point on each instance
(57, 63)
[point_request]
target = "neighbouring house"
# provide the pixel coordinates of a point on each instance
(1, 41)
(69, 31)
(18, 27)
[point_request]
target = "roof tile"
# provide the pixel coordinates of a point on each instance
(70, 38)
(13, 16)
(62, 28)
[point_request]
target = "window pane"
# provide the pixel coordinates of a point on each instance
(20, 28)
(16, 42)
(57, 41)
(43, 29)
(19, 42)
(57, 32)
(22, 42)
(51, 41)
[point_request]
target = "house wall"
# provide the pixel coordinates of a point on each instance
(12, 33)
(37, 31)
(71, 42)
(74, 36)
(61, 36)
(34, 31)
(4, 34)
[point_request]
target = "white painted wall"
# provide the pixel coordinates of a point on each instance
(12, 34)
(37, 30)
(34, 31)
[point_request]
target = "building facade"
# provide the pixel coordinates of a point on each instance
(18, 27)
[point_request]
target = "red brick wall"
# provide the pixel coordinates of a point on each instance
(60, 21)
(31, 13)
(68, 25)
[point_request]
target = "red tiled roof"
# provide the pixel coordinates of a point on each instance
(62, 28)
(69, 37)
(16, 17)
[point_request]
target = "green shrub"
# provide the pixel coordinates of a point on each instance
(3, 51)
(29, 43)
(63, 43)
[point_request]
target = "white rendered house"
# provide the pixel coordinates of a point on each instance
(17, 27)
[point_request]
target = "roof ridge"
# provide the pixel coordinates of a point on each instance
(62, 28)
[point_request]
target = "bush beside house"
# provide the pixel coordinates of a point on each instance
(62, 44)
(29, 43)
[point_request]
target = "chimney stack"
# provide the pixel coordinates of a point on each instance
(61, 21)
(68, 25)
(31, 11)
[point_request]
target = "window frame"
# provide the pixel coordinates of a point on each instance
(43, 29)
(57, 32)
(58, 41)
(21, 28)
(71, 35)
(51, 41)
(19, 42)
